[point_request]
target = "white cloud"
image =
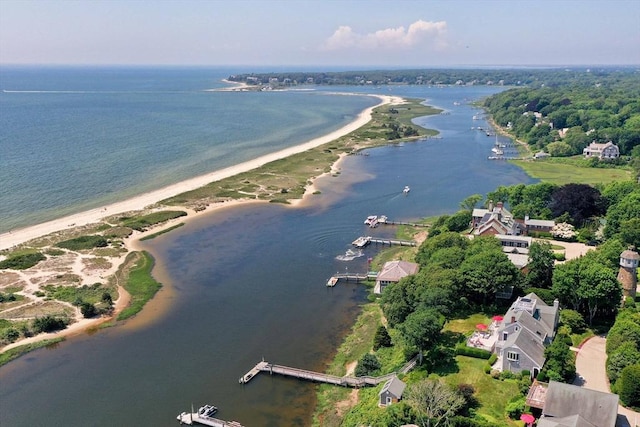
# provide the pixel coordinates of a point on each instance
(419, 34)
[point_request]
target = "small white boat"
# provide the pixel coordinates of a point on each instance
(332, 281)
(406, 189)
(371, 221)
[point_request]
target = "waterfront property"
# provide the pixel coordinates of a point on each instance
(525, 330)
(497, 220)
(605, 151)
(391, 392)
(570, 405)
(392, 272)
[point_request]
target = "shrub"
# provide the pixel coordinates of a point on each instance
(367, 365)
(515, 408)
(492, 359)
(478, 353)
(625, 355)
(573, 320)
(22, 261)
(382, 338)
(628, 386)
(88, 310)
(141, 223)
(83, 242)
(48, 324)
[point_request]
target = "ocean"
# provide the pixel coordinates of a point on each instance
(248, 282)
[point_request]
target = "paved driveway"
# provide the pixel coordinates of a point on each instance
(591, 374)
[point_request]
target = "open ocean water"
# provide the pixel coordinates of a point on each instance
(249, 282)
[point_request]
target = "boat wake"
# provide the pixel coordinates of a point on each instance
(350, 255)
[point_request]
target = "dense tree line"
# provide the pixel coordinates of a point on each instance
(601, 109)
(550, 77)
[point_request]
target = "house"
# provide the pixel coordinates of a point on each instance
(495, 220)
(602, 151)
(391, 392)
(523, 334)
(538, 225)
(392, 272)
(567, 405)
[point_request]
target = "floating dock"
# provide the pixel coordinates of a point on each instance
(382, 219)
(304, 374)
(191, 418)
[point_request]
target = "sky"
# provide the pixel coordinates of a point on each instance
(326, 33)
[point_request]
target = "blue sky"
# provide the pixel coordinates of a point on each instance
(344, 33)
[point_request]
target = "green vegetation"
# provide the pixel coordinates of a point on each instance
(166, 230)
(83, 243)
(21, 260)
(560, 173)
(14, 353)
(141, 223)
(140, 283)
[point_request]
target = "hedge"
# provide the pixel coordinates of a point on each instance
(478, 353)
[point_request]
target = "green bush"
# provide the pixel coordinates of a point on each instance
(22, 261)
(83, 242)
(492, 359)
(625, 355)
(141, 223)
(381, 338)
(367, 365)
(628, 386)
(478, 353)
(515, 408)
(573, 320)
(48, 324)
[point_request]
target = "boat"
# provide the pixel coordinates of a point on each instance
(203, 416)
(370, 220)
(497, 151)
(406, 189)
(382, 219)
(361, 242)
(332, 281)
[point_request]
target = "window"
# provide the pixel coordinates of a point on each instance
(513, 356)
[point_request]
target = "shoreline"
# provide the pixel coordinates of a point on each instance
(17, 237)
(14, 238)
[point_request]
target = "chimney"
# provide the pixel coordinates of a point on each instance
(513, 319)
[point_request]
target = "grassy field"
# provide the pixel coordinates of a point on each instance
(561, 173)
(140, 283)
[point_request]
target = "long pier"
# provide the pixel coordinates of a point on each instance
(304, 374)
(190, 418)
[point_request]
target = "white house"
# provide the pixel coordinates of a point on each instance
(602, 151)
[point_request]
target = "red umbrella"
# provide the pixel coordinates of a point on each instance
(481, 326)
(527, 418)
(497, 318)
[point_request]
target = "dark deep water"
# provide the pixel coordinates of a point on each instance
(249, 282)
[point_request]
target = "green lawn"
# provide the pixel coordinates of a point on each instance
(564, 173)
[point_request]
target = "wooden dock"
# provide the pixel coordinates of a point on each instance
(382, 219)
(190, 418)
(363, 241)
(348, 277)
(304, 374)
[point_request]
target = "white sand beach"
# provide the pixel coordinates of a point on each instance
(16, 237)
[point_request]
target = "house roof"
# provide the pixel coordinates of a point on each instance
(393, 271)
(566, 400)
(629, 254)
(572, 421)
(528, 343)
(517, 259)
(539, 222)
(510, 237)
(395, 386)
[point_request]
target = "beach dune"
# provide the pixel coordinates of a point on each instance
(16, 237)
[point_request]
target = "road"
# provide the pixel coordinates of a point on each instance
(591, 374)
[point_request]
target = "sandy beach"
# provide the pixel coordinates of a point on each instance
(16, 237)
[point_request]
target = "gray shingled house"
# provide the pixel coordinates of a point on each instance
(525, 330)
(392, 272)
(391, 391)
(566, 405)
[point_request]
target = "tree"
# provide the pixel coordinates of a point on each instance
(381, 338)
(559, 364)
(488, 272)
(581, 201)
(460, 221)
(421, 329)
(573, 320)
(433, 244)
(566, 278)
(434, 401)
(630, 232)
(87, 309)
(470, 202)
(367, 365)
(396, 304)
(599, 287)
(541, 263)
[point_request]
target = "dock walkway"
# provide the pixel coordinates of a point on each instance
(190, 418)
(347, 277)
(363, 241)
(304, 374)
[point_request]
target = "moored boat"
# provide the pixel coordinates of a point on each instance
(406, 189)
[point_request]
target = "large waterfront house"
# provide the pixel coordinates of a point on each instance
(523, 334)
(391, 392)
(602, 151)
(392, 272)
(499, 221)
(567, 405)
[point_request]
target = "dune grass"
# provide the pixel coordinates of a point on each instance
(140, 283)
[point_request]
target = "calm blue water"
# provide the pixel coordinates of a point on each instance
(247, 283)
(75, 139)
